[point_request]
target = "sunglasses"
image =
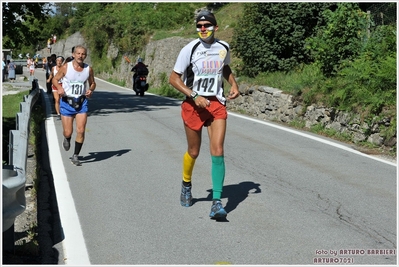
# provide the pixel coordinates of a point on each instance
(207, 25)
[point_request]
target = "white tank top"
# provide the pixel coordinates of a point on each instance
(75, 82)
(55, 73)
(32, 65)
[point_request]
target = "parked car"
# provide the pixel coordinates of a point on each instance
(20, 64)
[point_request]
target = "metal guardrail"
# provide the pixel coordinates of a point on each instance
(14, 174)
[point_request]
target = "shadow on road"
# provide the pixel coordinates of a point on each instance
(50, 231)
(105, 103)
(235, 194)
(98, 156)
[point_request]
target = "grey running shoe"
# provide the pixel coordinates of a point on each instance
(217, 210)
(66, 144)
(75, 160)
(185, 196)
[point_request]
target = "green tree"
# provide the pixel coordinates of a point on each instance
(340, 39)
(272, 36)
(18, 19)
(128, 26)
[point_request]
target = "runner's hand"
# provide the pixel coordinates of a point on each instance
(202, 102)
(234, 93)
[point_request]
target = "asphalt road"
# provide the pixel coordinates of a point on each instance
(291, 197)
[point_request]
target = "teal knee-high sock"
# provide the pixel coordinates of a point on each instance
(218, 172)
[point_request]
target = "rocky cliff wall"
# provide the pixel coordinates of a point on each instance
(160, 56)
(63, 47)
(263, 102)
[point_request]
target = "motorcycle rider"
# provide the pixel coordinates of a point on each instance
(139, 69)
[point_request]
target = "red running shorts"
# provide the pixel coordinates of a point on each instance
(195, 118)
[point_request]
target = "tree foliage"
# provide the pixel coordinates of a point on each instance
(272, 36)
(341, 38)
(18, 21)
(370, 79)
(127, 25)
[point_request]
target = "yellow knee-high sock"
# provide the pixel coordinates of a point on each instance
(188, 166)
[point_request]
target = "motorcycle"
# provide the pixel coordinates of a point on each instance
(140, 85)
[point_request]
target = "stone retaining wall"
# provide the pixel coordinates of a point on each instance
(269, 103)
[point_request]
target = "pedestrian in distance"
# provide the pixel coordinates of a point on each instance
(59, 61)
(7, 77)
(11, 70)
(77, 86)
(4, 66)
(36, 61)
(51, 62)
(49, 40)
(44, 61)
(31, 66)
(203, 63)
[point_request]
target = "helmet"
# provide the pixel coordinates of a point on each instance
(140, 59)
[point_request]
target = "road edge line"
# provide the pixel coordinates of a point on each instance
(315, 138)
(74, 246)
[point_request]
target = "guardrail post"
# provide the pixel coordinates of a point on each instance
(35, 85)
(13, 145)
(9, 216)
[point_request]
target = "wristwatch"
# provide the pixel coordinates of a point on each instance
(193, 95)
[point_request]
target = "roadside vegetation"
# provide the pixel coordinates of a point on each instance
(10, 107)
(333, 54)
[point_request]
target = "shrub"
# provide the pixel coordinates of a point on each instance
(272, 36)
(341, 38)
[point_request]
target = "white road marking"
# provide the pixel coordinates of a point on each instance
(315, 138)
(75, 251)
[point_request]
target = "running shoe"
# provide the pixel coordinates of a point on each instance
(185, 196)
(75, 160)
(217, 210)
(66, 144)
